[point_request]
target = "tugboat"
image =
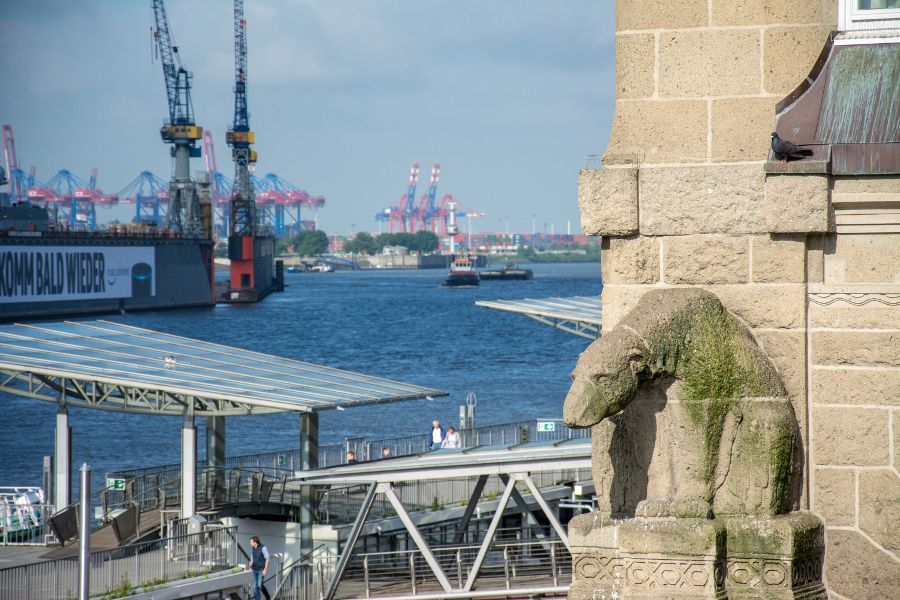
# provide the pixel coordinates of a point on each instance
(462, 270)
(510, 271)
(462, 273)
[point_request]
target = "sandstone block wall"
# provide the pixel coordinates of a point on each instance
(810, 263)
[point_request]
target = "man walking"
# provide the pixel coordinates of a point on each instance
(259, 564)
(437, 435)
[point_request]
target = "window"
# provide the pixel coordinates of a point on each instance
(881, 18)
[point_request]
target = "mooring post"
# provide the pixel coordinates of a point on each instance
(84, 535)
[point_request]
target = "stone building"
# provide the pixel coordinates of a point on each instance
(806, 253)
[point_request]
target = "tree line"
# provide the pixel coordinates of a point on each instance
(365, 243)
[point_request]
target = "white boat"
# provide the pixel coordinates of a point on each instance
(321, 268)
(21, 513)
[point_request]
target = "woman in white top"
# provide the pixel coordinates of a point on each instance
(451, 440)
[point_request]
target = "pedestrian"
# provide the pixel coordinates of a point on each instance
(452, 439)
(259, 564)
(351, 457)
(437, 435)
(385, 452)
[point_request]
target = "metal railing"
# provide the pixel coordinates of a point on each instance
(485, 435)
(123, 570)
(512, 566)
(365, 449)
(339, 505)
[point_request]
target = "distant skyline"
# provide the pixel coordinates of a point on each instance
(509, 96)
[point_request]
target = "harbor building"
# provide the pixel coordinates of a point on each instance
(806, 253)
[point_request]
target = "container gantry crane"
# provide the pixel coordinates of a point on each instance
(427, 209)
(187, 211)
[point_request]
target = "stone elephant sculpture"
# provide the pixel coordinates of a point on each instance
(693, 417)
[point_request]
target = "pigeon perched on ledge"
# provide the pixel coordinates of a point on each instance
(785, 150)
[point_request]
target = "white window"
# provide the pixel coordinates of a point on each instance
(875, 18)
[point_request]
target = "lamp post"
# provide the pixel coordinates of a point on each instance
(84, 535)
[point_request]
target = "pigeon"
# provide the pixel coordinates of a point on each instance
(785, 150)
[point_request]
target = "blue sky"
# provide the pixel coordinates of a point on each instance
(508, 95)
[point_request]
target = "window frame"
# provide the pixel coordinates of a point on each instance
(858, 19)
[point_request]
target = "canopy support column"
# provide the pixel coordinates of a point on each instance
(309, 459)
(215, 457)
(188, 463)
(62, 455)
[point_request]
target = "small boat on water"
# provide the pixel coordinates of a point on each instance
(462, 273)
(295, 269)
(509, 271)
(321, 268)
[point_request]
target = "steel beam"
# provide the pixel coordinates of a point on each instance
(344, 559)
(526, 512)
(463, 525)
(560, 530)
(489, 536)
(388, 490)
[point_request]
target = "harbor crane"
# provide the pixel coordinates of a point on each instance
(185, 213)
(250, 245)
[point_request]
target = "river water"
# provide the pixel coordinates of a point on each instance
(399, 325)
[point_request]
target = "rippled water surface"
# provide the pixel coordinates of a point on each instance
(396, 324)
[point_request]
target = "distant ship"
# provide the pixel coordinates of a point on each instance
(509, 271)
(462, 273)
(47, 269)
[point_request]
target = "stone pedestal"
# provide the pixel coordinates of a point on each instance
(778, 557)
(652, 558)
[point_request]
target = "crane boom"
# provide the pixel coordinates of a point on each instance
(177, 78)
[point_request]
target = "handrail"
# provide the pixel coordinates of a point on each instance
(286, 569)
(142, 564)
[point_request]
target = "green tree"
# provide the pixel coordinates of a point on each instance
(222, 249)
(281, 247)
(309, 243)
(363, 243)
(425, 241)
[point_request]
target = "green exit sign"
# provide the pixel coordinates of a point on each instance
(546, 426)
(115, 484)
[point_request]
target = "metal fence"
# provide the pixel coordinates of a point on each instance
(511, 567)
(487, 435)
(122, 570)
(339, 505)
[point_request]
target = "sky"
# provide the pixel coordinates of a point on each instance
(509, 96)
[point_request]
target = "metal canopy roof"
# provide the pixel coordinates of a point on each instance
(531, 457)
(576, 314)
(118, 367)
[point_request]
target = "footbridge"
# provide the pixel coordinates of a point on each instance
(495, 525)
